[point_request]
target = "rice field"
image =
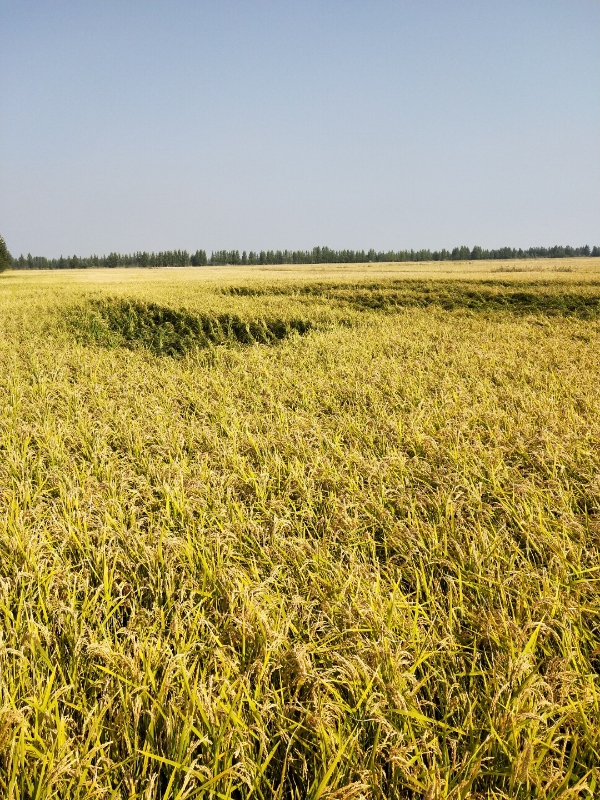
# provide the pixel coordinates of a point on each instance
(327, 533)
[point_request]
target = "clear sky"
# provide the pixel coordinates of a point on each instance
(256, 124)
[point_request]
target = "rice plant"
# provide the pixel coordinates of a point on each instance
(356, 560)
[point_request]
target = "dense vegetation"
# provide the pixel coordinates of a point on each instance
(318, 255)
(361, 562)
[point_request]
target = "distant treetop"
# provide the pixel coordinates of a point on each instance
(318, 255)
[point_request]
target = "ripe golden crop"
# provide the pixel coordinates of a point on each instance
(301, 533)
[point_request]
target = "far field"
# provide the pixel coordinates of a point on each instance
(325, 532)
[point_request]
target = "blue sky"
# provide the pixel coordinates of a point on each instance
(255, 124)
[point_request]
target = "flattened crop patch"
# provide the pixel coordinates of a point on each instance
(165, 331)
(551, 298)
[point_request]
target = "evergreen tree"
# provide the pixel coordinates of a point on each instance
(461, 253)
(6, 260)
(199, 259)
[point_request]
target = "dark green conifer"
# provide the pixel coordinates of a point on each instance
(6, 260)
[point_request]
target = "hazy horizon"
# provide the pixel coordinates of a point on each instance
(253, 125)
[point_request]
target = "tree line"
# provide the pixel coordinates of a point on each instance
(164, 258)
(318, 255)
(325, 255)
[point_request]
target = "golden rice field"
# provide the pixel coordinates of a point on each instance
(311, 533)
